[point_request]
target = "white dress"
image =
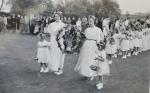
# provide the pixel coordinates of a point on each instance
(144, 40)
(104, 66)
(125, 43)
(132, 41)
(140, 38)
(43, 53)
(57, 57)
(136, 40)
(87, 53)
(110, 48)
(117, 38)
(148, 39)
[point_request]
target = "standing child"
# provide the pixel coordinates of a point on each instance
(43, 53)
(117, 38)
(125, 44)
(138, 36)
(101, 66)
(110, 47)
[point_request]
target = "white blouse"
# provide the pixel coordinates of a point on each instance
(54, 27)
(94, 33)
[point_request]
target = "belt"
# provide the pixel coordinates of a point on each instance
(91, 39)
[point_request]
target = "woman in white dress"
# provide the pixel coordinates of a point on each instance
(57, 56)
(87, 54)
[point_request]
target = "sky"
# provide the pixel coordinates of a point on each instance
(134, 6)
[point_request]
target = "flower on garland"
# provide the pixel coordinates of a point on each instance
(69, 39)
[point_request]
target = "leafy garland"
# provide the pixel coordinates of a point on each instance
(76, 39)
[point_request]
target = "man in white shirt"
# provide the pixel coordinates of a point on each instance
(126, 23)
(117, 24)
(106, 29)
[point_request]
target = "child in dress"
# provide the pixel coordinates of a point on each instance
(140, 40)
(129, 37)
(101, 66)
(43, 53)
(117, 38)
(110, 47)
(138, 37)
(125, 43)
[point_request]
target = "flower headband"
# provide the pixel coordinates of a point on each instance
(91, 16)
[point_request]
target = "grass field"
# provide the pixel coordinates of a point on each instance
(19, 73)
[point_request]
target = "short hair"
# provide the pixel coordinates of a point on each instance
(41, 35)
(102, 45)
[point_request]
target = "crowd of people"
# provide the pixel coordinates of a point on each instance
(14, 23)
(102, 40)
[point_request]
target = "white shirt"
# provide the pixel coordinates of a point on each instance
(117, 24)
(106, 23)
(94, 33)
(126, 23)
(54, 27)
(78, 23)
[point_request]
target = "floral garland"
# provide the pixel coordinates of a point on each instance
(69, 39)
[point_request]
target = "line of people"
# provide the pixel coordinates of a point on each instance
(123, 37)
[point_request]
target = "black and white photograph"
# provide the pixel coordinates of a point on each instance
(74, 46)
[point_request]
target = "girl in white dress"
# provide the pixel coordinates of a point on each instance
(117, 38)
(144, 40)
(57, 56)
(125, 42)
(101, 66)
(43, 54)
(137, 39)
(93, 36)
(148, 34)
(110, 47)
(140, 40)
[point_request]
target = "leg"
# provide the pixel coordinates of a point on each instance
(100, 82)
(61, 65)
(124, 54)
(42, 67)
(109, 58)
(46, 68)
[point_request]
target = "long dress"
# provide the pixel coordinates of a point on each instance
(87, 53)
(57, 57)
